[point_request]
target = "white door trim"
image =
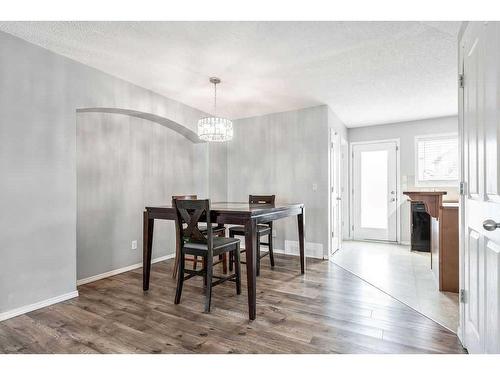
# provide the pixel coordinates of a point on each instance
(331, 150)
(398, 183)
(461, 205)
(334, 151)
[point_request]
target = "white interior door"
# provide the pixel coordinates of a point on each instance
(480, 203)
(375, 191)
(335, 192)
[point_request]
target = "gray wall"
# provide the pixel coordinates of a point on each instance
(406, 132)
(39, 93)
(217, 165)
(284, 154)
(124, 164)
(38, 175)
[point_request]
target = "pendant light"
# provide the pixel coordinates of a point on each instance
(215, 129)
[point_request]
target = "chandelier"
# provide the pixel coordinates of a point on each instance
(215, 129)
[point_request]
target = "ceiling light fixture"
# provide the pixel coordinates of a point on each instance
(215, 129)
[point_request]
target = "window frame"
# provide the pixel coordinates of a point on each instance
(434, 183)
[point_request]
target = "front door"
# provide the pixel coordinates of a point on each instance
(375, 191)
(480, 203)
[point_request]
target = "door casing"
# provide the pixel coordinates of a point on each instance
(336, 185)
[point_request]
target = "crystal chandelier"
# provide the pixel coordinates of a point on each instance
(215, 129)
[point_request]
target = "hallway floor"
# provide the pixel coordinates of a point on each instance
(405, 275)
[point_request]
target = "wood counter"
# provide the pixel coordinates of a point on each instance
(444, 237)
(431, 199)
(444, 250)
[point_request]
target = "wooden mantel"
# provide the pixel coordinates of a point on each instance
(433, 200)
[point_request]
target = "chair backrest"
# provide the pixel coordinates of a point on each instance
(190, 212)
(183, 197)
(262, 199)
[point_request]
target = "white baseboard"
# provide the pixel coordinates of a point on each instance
(295, 254)
(38, 305)
(281, 251)
(120, 270)
(312, 249)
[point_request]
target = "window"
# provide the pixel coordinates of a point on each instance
(436, 160)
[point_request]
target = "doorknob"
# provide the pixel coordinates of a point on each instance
(393, 192)
(393, 199)
(490, 225)
(339, 198)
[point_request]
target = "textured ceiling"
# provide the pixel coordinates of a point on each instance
(367, 72)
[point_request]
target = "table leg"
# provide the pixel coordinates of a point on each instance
(147, 248)
(251, 258)
(300, 222)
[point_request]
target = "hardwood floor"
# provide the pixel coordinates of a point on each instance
(403, 274)
(328, 310)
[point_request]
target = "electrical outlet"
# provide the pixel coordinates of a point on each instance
(133, 246)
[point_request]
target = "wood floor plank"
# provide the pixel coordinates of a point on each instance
(327, 310)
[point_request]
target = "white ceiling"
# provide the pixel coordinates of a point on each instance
(367, 72)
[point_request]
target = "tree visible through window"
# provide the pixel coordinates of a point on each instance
(437, 159)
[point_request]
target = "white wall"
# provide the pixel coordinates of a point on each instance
(285, 154)
(406, 132)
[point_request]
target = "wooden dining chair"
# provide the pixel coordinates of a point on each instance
(265, 229)
(219, 231)
(196, 243)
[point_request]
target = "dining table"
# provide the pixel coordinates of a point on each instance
(246, 214)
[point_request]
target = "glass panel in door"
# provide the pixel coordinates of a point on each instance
(375, 214)
(374, 189)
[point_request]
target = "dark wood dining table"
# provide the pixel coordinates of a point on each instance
(249, 215)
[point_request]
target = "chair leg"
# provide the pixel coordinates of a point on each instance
(223, 257)
(208, 273)
(271, 255)
(177, 253)
(180, 278)
(195, 262)
(224, 263)
(257, 250)
(176, 263)
(237, 267)
(231, 255)
(204, 265)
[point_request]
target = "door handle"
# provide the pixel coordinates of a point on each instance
(490, 225)
(339, 198)
(393, 192)
(393, 199)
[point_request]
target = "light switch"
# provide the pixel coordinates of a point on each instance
(134, 245)
(315, 187)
